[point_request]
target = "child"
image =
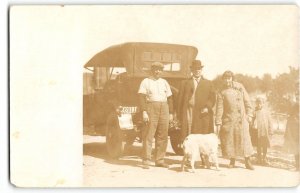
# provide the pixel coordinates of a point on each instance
(262, 123)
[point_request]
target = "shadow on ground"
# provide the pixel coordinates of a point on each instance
(277, 158)
(198, 165)
(131, 156)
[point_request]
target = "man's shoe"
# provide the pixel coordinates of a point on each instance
(162, 165)
(249, 166)
(146, 165)
(188, 164)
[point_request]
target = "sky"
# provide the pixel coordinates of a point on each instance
(252, 40)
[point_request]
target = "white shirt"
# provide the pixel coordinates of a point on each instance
(155, 90)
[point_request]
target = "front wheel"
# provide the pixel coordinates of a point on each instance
(114, 137)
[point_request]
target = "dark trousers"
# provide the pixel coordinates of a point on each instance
(157, 127)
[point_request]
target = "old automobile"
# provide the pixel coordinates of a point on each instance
(116, 72)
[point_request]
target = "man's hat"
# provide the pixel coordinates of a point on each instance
(196, 64)
(157, 65)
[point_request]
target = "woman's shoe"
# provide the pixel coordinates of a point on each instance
(265, 162)
(248, 164)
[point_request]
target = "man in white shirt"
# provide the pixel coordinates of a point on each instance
(157, 108)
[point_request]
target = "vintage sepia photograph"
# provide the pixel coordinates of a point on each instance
(154, 95)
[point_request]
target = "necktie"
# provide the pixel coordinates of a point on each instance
(197, 80)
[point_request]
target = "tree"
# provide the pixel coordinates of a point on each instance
(266, 83)
(284, 88)
(250, 83)
(279, 91)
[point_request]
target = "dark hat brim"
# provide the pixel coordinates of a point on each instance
(196, 64)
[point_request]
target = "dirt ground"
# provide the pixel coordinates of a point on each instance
(102, 171)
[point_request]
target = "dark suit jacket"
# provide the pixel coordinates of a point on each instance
(204, 98)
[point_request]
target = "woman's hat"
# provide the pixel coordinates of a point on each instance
(227, 74)
(260, 99)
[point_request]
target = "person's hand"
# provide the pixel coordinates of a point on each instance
(204, 110)
(145, 116)
(249, 119)
(171, 118)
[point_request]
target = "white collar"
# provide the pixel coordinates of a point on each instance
(197, 79)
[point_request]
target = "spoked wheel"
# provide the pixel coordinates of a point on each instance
(114, 137)
(176, 142)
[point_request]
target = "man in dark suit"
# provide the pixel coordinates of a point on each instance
(196, 99)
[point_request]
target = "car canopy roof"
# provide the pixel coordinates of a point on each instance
(137, 57)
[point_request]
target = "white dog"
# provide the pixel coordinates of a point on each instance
(204, 145)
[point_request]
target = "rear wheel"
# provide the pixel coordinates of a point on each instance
(115, 143)
(176, 142)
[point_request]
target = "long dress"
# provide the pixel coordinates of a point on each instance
(232, 108)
